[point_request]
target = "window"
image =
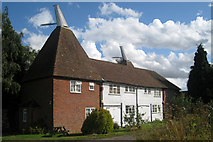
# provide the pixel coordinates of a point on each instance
(156, 108)
(147, 90)
(75, 86)
(157, 93)
(88, 111)
(91, 86)
(114, 89)
(130, 109)
(130, 89)
(25, 115)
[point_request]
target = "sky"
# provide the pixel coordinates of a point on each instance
(159, 36)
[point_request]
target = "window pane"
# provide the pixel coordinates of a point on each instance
(24, 115)
(126, 88)
(118, 89)
(78, 88)
(110, 88)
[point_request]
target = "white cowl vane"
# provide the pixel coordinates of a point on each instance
(60, 20)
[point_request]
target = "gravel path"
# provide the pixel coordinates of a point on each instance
(125, 137)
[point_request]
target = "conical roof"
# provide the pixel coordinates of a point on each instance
(62, 56)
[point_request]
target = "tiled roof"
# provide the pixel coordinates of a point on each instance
(119, 73)
(63, 56)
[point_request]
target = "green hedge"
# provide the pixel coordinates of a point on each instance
(99, 122)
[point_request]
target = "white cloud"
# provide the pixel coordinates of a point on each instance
(41, 18)
(110, 8)
(172, 35)
(211, 4)
(91, 49)
(133, 35)
(180, 82)
(36, 41)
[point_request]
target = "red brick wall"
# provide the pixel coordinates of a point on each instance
(69, 108)
(41, 92)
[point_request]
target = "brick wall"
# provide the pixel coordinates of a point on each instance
(69, 108)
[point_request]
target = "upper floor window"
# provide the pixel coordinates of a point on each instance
(147, 90)
(130, 109)
(91, 86)
(130, 89)
(114, 89)
(88, 111)
(75, 86)
(156, 108)
(157, 93)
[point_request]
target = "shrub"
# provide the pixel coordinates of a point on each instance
(116, 126)
(133, 121)
(99, 121)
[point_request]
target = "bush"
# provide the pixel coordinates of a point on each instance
(133, 121)
(116, 126)
(99, 121)
(38, 127)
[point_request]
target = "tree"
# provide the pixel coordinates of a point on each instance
(16, 60)
(200, 77)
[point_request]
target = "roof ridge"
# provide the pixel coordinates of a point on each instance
(121, 65)
(56, 49)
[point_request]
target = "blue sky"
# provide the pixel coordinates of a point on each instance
(160, 36)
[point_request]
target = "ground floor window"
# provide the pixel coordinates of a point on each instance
(130, 109)
(88, 111)
(24, 115)
(156, 108)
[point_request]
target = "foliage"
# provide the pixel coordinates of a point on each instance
(116, 126)
(201, 77)
(38, 127)
(190, 123)
(99, 121)
(133, 121)
(16, 58)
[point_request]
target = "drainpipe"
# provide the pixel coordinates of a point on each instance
(136, 101)
(121, 116)
(151, 111)
(101, 95)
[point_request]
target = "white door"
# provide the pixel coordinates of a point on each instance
(115, 113)
(146, 111)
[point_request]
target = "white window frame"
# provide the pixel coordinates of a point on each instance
(129, 89)
(24, 115)
(90, 110)
(157, 93)
(76, 86)
(114, 89)
(130, 109)
(147, 90)
(156, 108)
(91, 86)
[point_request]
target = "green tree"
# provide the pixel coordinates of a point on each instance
(16, 60)
(200, 77)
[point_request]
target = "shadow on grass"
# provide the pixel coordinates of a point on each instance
(61, 135)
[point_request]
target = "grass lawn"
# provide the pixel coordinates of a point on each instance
(76, 136)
